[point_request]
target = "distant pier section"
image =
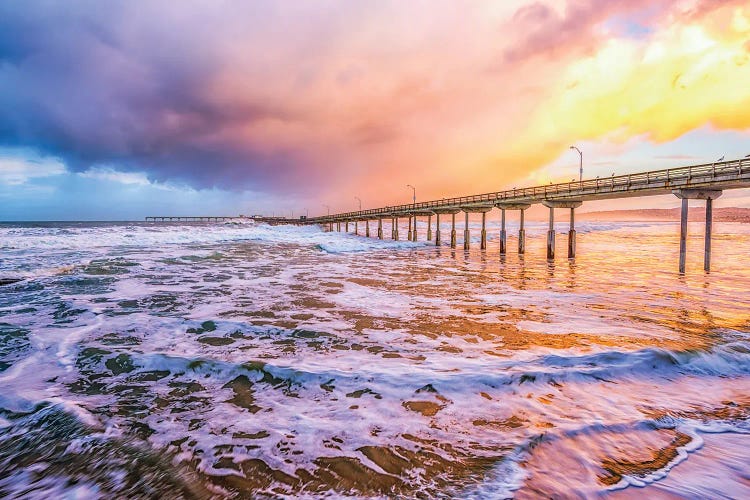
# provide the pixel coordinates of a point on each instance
(223, 218)
(694, 182)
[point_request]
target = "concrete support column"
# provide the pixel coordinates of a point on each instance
(367, 228)
(551, 235)
(414, 231)
(683, 233)
(395, 228)
(572, 235)
(453, 230)
(522, 235)
(467, 235)
(503, 235)
(338, 227)
(483, 244)
(707, 250)
(356, 227)
(552, 205)
(408, 236)
(437, 230)
(346, 227)
(380, 228)
(696, 194)
(429, 228)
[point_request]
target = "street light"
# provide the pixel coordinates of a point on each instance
(414, 193)
(360, 202)
(580, 179)
(328, 214)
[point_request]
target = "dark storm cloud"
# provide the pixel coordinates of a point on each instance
(99, 83)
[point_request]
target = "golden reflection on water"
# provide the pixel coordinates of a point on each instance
(614, 301)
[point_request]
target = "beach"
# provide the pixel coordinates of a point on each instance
(247, 360)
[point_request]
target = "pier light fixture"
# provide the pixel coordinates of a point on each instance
(413, 193)
(328, 209)
(360, 202)
(580, 178)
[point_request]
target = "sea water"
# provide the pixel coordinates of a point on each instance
(245, 360)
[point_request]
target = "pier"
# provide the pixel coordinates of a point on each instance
(694, 182)
(188, 218)
(222, 218)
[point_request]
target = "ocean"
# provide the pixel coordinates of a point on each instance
(249, 361)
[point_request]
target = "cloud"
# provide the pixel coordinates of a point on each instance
(109, 174)
(340, 97)
(15, 170)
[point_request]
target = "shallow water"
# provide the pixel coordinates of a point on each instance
(246, 360)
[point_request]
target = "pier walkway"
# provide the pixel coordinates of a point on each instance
(705, 182)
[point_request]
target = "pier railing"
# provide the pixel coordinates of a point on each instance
(721, 175)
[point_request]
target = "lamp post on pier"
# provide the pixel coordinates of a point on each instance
(411, 235)
(328, 214)
(580, 154)
(356, 223)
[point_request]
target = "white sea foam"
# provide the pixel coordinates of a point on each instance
(91, 238)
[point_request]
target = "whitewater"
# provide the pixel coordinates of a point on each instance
(247, 360)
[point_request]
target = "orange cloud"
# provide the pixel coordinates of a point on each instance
(499, 120)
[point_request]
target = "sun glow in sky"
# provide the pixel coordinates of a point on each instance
(122, 109)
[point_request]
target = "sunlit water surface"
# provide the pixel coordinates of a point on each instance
(251, 361)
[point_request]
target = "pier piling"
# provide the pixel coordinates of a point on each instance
(503, 236)
(483, 244)
(429, 228)
(707, 242)
(467, 236)
(380, 228)
(572, 234)
(551, 235)
(683, 233)
(453, 230)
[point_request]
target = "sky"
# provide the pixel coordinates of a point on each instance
(121, 109)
